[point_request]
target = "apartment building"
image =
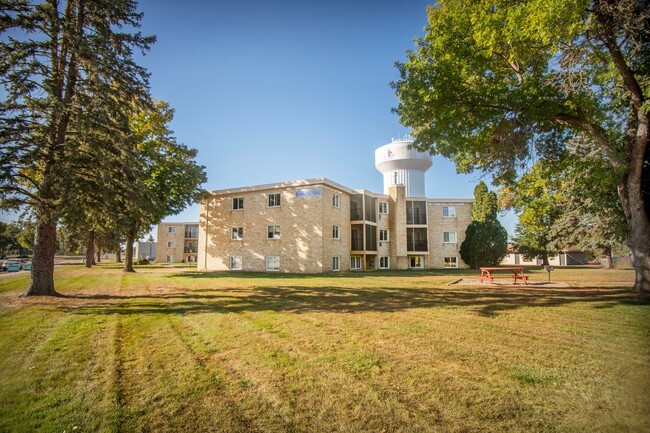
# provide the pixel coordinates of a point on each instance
(177, 242)
(318, 225)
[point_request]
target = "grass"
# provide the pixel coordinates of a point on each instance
(173, 349)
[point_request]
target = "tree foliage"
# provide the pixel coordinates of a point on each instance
(494, 85)
(70, 81)
(486, 240)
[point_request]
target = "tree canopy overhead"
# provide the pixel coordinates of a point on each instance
(498, 85)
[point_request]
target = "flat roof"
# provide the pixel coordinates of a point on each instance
(328, 182)
(291, 183)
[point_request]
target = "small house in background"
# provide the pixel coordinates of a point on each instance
(144, 250)
(569, 257)
(177, 242)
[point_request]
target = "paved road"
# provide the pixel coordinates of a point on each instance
(58, 261)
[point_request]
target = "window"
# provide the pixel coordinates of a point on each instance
(355, 263)
(238, 203)
(273, 263)
(383, 236)
(383, 207)
(451, 262)
(336, 263)
(237, 233)
(416, 262)
(384, 263)
(192, 232)
(171, 244)
(336, 200)
(171, 229)
(191, 246)
(235, 263)
(274, 200)
(449, 237)
(449, 211)
(336, 232)
(416, 212)
(170, 259)
(272, 232)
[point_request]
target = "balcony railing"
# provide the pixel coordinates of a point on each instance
(417, 246)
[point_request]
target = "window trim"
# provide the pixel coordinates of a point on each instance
(455, 241)
(239, 207)
(273, 194)
(266, 260)
(240, 263)
(235, 233)
(171, 244)
(450, 267)
(336, 232)
(172, 259)
(171, 230)
(387, 231)
(387, 262)
(354, 259)
(336, 264)
(272, 237)
(448, 207)
(385, 205)
(336, 200)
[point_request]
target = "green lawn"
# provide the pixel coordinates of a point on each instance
(173, 349)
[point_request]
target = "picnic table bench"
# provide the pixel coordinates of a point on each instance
(517, 273)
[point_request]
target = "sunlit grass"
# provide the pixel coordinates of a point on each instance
(179, 350)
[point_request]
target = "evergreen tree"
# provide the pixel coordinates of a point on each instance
(67, 71)
(486, 240)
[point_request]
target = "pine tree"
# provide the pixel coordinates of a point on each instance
(68, 70)
(486, 240)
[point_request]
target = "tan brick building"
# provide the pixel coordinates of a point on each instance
(177, 242)
(318, 225)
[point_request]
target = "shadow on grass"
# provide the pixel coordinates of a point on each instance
(299, 299)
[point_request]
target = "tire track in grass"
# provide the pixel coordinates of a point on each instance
(118, 366)
(217, 377)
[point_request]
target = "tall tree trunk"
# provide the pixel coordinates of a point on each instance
(544, 259)
(118, 254)
(42, 275)
(638, 237)
(607, 261)
(99, 255)
(128, 254)
(90, 249)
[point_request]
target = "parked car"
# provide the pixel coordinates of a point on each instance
(5, 265)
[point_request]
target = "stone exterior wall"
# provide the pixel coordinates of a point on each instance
(306, 219)
(176, 250)
(439, 224)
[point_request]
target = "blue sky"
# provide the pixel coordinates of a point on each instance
(283, 90)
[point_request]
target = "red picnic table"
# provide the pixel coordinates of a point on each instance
(517, 272)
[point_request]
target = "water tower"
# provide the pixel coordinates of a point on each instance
(401, 165)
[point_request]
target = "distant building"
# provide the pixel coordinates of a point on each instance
(568, 257)
(144, 250)
(317, 225)
(177, 242)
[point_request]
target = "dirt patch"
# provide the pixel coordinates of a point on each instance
(507, 283)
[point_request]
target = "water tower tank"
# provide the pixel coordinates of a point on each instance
(401, 165)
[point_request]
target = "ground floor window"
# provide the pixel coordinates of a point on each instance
(451, 262)
(416, 261)
(355, 263)
(235, 263)
(170, 259)
(336, 263)
(273, 263)
(384, 262)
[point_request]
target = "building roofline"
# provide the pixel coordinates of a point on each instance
(279, 185)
